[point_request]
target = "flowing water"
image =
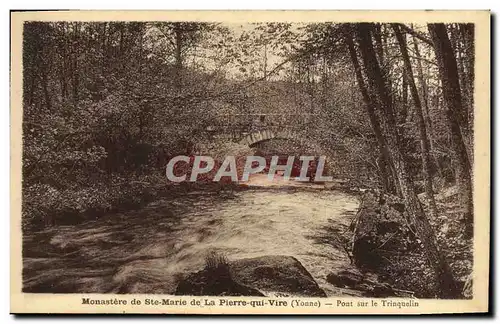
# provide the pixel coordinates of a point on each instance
(149, 250)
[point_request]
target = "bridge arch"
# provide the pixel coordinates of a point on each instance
(267, 134)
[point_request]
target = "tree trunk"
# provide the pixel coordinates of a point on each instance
(447, 285)
(467, 31)
(379, 45)
(31, 93)
(424, 140)
(388, 182)
(468, 36)
(423, 88)
(64, 59)
(45, 86)
(404, 100)
(455, 114)
(76, 74)
(178, 55)
(264, 76)
(457, 47)
(425, 101)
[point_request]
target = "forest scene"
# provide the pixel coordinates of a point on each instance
(106, 105)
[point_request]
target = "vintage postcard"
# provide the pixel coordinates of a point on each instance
(250, 162)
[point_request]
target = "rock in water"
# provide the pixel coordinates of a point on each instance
(214, 282)
(366, 283)
(253, 277)
(276, 274)
(345, 278)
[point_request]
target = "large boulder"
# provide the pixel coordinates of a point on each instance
(345, 278)
(266, 275)
(214, 282)
(384, 242)
(381, 230)
(276, 274)
(367, 283)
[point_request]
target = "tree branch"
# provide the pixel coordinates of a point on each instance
(416, 34)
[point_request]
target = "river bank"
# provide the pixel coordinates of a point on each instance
(383, 241)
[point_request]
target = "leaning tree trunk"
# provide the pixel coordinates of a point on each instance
(425, 101)
(403, 113)
(385, 167)
(467, 31)
(424, 139)
(416, 214)
(456, 115)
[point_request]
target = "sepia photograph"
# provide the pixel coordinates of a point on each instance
(315, 163)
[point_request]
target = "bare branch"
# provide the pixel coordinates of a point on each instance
(416, 34)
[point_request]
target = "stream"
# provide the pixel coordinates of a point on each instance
(149, 250)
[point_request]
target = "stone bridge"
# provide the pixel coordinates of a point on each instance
(260, 128)
(268, 134)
